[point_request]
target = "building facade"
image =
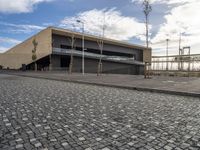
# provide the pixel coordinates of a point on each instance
(58, 48)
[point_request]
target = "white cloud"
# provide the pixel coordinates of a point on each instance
(7, 40)
(19, 6)
(20, 28)
(165, 1)
(117, 26)
(183, 18)
(3, 49)
(7, 43)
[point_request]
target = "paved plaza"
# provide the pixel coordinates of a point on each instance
(44, 114)
(164, 84)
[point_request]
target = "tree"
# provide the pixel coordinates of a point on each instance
(101, 46)
(34, 55)
(72, 42)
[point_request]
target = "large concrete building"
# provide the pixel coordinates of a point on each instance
(54, 53)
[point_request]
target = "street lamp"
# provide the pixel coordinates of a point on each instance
(146, 9)
(167, 53)
(83, 46)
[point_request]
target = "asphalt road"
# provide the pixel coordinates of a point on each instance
(44, 114)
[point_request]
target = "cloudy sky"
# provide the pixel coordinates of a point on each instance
(123, 19)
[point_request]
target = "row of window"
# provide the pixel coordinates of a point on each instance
(95, 51)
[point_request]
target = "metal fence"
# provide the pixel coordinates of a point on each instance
(175, 64)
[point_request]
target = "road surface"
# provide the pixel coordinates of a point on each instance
(44, 114)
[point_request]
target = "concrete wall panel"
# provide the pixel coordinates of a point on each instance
(108, 67)
(22, 53)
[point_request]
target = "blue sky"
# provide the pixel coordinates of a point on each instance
(124, 20)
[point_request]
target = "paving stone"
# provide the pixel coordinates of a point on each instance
(32, 140)
(39, 113)
(53, 140)
(38, 144)
(19, 146)
(89, 148)
(65, 144)
(168, 147)
(19, 140)
(81, 139)
(105, 148)
(130, 143)
(98, 139)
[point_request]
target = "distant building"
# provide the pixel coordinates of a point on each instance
(54, 50)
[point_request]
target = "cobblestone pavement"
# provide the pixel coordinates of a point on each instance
(43, 114)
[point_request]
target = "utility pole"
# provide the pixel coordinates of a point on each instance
(167, 54)
(180, 53)
(146, 9)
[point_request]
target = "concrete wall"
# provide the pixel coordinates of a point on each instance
(91, 66)
(22, 53)
(61, 40)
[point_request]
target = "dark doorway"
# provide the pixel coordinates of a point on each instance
(64, 61)
(42, 64)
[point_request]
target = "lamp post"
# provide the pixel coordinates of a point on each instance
(146, 9)
(167, 60)
(83, 46)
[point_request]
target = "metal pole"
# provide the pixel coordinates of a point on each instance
(146, 9)
(83, 51)
(167, 60)
(147, 32)
(189, 63)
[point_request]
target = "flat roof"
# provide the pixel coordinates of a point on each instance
(66, 32)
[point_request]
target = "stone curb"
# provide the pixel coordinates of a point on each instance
(114, 86)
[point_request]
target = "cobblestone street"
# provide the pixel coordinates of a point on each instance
(44, 114)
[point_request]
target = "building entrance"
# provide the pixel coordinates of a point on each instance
(64, 61)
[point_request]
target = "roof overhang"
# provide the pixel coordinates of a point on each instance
(65, 32)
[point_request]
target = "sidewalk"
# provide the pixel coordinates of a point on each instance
(172, 85)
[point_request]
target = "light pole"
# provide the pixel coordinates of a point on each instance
(167, 60)
(146, 9)
(83, 46)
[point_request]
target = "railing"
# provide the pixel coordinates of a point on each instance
(176, 65)
(176, 62)
(97, 56)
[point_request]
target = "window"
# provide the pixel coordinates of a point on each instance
(65, 46)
